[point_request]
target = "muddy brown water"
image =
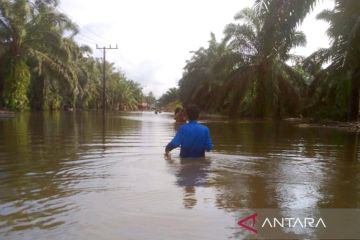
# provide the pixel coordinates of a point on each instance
(78, 176)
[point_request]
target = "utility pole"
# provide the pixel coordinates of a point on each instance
(104, 72)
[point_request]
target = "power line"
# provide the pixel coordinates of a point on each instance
(87, 36)
(87, 40)
(97, 36)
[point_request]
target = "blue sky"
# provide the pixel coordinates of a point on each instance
(155, 37)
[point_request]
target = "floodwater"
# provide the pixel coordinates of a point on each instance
(78, 176)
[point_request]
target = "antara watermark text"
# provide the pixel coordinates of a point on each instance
(281, 222)
(289, 222)
(300, 223)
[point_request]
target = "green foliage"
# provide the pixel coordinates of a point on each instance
(47, 68)
(243, 75)
(150, 99)
(16, 86)
(331, 113)
(54, 102)
(334, 93)
(170, 96)
(248, 72)
(122, 93)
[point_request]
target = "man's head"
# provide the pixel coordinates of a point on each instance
(192, 112)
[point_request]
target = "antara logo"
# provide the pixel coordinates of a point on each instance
(286, 222)
(250, 228)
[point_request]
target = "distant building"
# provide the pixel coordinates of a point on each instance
(144, 106)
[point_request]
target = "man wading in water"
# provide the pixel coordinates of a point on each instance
(193, 137)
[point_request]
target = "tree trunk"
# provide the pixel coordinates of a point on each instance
(16, 85)
(278, 109)
(260, 98)
(38, 98)
(354, 97)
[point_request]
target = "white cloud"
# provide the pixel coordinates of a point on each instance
(156, 36)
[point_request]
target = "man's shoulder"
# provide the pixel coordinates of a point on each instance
(191, 125)
(202, 127)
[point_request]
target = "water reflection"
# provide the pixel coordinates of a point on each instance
(342, 189)
(48, 158)
(283, 166)
(301, 169)
(190, 173)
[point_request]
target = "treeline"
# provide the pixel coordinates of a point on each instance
(43, 67)
(171, 96)
(251, 72)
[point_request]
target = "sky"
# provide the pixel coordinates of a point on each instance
(155, 37)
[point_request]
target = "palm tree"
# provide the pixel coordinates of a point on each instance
(251, 68)
(121, 93)
(262, 42)
(129, 100)
(31, 35)
(89, 75)
(171, 95)
(340, 79)
(202, 78)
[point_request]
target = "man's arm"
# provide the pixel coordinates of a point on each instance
(175, 142)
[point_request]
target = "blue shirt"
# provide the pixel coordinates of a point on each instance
(193, 139)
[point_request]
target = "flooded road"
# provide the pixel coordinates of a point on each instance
(77, 176)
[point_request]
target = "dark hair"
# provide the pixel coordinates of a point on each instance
(192, 112)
